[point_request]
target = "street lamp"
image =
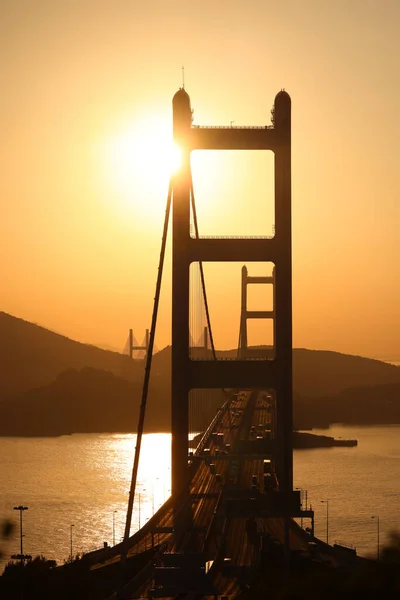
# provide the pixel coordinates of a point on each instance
(114, 527)
(377, 547)
(70, 539)
(21, 510)
(327, 519)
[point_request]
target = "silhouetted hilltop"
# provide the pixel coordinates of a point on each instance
(322, 372)
(329, 386)
(32, 356)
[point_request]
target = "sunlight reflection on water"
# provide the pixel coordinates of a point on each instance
(81, 479)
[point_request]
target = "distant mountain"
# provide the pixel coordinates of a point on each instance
(32, 356)
(95, 401)
(322, 372)
(362, 405)
(85, 401)
(44, 369)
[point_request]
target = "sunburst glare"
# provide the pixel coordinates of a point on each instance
(140, 159)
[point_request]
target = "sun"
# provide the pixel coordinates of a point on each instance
(140, 159)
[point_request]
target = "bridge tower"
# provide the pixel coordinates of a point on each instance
(275, 373)
(132, 347)
(243, 350)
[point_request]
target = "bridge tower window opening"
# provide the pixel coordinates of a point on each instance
(234, 193)
(223, 282)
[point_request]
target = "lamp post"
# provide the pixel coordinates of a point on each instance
(327, 519)
(70, 539)
(114, 527)
(21, 510)
(377, 547)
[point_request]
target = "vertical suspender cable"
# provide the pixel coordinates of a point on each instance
(147, 375)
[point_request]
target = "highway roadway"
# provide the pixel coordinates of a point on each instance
(218, 472)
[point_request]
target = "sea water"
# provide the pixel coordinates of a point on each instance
(76, 488)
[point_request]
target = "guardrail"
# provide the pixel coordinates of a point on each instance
(232, 237)
(229, 127)
(234, 359)
(210, 428)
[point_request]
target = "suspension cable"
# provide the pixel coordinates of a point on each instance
(150, 351)
(149, 356)
(203, 285)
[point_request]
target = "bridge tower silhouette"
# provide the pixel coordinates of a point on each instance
(132, 346)
(243, 350)
(275, 373)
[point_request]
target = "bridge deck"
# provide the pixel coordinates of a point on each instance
(217, 476)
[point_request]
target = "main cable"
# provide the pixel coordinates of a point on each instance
(146, 380)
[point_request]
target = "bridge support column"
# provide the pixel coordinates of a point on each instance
(182, 118)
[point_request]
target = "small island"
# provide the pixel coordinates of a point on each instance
(304, 441)
(301, 441)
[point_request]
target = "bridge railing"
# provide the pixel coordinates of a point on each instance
(205, 439)
(232, 127)
(233, 358)
(232, 237)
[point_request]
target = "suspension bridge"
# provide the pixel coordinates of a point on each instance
(233, 505)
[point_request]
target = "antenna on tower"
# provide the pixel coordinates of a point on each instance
(183, 77)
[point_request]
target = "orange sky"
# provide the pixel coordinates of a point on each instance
(82, 212)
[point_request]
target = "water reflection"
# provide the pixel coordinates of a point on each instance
(80, 479)
(83, 479)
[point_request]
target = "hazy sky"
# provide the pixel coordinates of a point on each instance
(87, 84)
